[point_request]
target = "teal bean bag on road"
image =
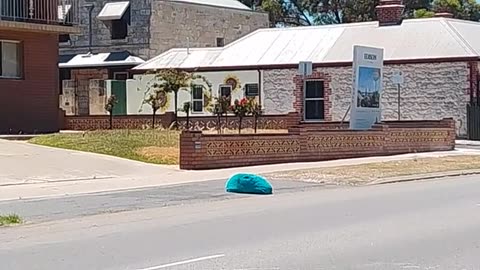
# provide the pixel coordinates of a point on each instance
(248, 183)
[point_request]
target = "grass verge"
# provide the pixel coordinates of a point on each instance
(9, 220)
(153, 146)
(366, 173)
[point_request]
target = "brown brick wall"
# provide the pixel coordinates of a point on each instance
(31, 104)
(390, 11)
(306, 143)
(196, 123)
(298, 92)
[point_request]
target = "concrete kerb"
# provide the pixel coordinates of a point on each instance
(427, 176)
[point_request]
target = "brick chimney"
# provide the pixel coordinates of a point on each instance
(390, 12)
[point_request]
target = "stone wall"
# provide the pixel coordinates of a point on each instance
(85, 93)
(137, 41)
(431, 91)
(175, 24)
(301, 144)
(158, 25)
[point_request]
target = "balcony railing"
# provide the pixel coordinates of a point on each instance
(55, 12)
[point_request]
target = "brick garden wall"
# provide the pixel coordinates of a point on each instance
(94, 122)
(310, 143)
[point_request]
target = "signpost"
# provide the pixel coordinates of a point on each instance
(398, 79)
(367, 87)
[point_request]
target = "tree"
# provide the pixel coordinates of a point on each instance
(111, 102)
(283, 12)
(240, 108)
(155, 100)
(423, 13)
(461, 9)
(186, 109)
(221, 107)
(173, 81)
(255, 109)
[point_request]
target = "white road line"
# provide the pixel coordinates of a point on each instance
(184, 262)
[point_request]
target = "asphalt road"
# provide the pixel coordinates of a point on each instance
(65, 207)
(415, 225)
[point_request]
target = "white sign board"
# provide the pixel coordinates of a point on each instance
(397, 77)
(367, 87)
(305, 68)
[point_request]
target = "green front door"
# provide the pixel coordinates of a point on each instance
(119, 89)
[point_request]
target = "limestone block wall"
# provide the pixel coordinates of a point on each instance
(431, 91)
(175, 24)
(158, 25)
(137, 41)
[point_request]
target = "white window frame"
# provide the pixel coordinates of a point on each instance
(19, 59)
(197, 99)
(119, 73)
(305, 99)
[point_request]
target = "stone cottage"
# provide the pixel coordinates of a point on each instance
(140, 29)
(439, 58)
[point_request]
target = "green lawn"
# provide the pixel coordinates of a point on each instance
(154, 146)
(9, 220)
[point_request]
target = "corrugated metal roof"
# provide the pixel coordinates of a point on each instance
(413, 39)
(99, 60)
(217, 3)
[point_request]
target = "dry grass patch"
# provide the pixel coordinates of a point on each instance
(365, 173)
(160, 155)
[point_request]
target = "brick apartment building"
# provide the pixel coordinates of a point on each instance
(29, 33)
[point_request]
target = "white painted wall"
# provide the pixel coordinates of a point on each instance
(137, 87)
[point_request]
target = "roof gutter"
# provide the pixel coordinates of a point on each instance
(331, 64)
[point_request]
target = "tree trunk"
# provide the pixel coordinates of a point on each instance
(188, 121)
(255, 123)
(219, 127)
(153, 119)
(111, 120)
(176, 110)
(240, 124)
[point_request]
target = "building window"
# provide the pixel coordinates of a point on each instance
(197, 98)
(10, 56)
(220, 41)
(251, 90)
(120, 76)
(225, 90)
(314, 104)
(119, 29)
(65, 75)
(64, 38)
(117, 16)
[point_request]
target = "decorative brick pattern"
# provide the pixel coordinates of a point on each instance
(252, 147)
(94, 122)
(303, 143)
(334, 141)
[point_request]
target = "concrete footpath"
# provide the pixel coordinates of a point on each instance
(31, 171)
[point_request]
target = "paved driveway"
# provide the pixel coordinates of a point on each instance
(24, 163)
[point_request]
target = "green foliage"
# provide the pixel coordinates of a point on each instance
(10, 220)
(423, 13)
(308, 12)
(111, 102)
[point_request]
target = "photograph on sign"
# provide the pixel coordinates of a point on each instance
(368, 95)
